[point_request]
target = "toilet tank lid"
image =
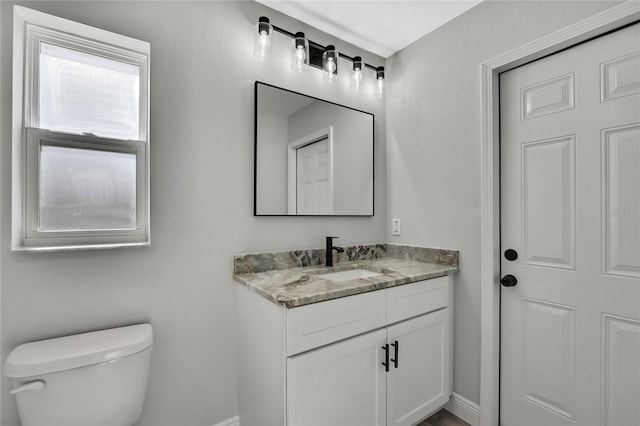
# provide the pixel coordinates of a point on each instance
(79, 350)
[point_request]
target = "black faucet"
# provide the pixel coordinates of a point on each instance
(329, 251)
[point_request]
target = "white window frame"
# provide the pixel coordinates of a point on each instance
(29, 30)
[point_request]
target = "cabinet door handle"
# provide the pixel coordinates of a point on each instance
(396, 347)
(386, 357)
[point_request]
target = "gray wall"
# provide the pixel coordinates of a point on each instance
(202, 75)
(433, 143)
(271, 192)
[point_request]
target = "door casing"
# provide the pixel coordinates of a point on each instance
(594, 26)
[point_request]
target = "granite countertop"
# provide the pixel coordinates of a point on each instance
(298, 286)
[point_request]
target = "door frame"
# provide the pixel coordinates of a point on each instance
(594, 26)
(292, 164)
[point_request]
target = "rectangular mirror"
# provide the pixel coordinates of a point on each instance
(312, 157)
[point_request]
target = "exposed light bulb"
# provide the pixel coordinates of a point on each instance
(264, 42)
(330, 64)
(330, 69)
(262, 47)
(380, 81)
(299, 58)
(357, 78)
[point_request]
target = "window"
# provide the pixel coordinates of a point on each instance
(80, 136)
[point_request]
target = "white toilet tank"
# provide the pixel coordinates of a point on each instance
(96, 379)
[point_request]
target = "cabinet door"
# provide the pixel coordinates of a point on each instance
(421, 382)
(339, 384)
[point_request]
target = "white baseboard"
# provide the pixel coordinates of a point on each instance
(233, 421)
(463, 408)
(458, 405)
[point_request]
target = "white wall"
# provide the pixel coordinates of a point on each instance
(202, 75)
(433, 143)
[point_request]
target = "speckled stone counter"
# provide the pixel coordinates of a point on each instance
(295, 278)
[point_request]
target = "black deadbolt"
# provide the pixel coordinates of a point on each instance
(510, 254)
(509, 281)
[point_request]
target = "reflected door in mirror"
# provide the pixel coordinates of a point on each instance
(314, 190)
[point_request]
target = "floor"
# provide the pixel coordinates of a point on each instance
(443, 418)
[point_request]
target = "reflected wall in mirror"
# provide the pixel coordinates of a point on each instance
(312, 157)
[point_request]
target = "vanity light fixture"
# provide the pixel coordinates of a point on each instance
(305, 53)
(263, 44)
(330, 64)
(300, 53)
(380, 81)
(357, 78)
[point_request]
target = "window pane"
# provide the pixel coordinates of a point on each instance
(83, 189)
(80, 92)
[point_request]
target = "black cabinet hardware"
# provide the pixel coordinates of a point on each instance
(396, 346)
(386, 357)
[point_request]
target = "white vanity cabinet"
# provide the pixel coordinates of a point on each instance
(421, 382)
(339, 384)
(324, 363)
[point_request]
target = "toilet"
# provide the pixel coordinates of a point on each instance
(97, 378)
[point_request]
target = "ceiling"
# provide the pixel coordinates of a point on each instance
(379, 26)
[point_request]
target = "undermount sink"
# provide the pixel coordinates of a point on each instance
(352, 274)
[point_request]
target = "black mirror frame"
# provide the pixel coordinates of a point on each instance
(255, 156)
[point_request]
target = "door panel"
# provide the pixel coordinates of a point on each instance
(548, 194)
(621, 186)
(549, 356)
(620, 372)
(420, 383)
(339, 384)
(621, 77)
(570, 204)
(548, 97)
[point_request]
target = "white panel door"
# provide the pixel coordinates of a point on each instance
(340, 384)
(570, 197)
(314, 193)
(418, 381)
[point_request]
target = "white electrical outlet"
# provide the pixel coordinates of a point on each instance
(396, 227)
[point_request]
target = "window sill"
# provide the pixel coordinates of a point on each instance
(79, 247)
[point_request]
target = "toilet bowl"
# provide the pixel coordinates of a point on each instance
(96, 379)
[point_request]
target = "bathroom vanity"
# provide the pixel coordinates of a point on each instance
(366, 342)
